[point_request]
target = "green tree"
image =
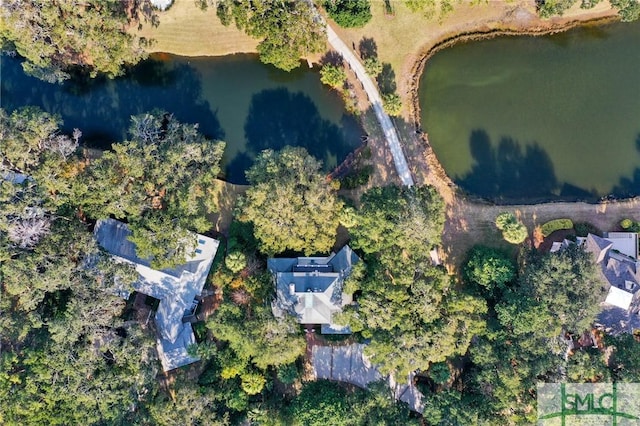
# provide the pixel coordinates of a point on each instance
(430, 9)
(489, 267)
(566, 283)
(289, 29)
(440, 373)
(373, 66)
(349, 13)
(332, 75)
(290, 203)
(549, 8)
(55, 36)
(629, 10)
(166, 167)
(253, 383)
(31, 144)
(322, 402)
(513, 231)
(587, 366)
(236, 261)
(625, 363)
(160, 239)
(161, 181)
(255, 335)
(288, 374)
(392, 103)
(449, 408)
(407, 307)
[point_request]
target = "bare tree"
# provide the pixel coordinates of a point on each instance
(26, 232)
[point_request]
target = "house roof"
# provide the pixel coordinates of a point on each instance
(619, 298)
(598, 246)
(625, 242)
(311, 287)
(174, 354)
(175, 288)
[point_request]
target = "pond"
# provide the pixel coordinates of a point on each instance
(525, 119)
(234, 98)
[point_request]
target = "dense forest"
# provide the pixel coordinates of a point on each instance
(74, 352)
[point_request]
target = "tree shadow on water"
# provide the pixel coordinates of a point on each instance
(509, 171)
(234, 170)
(629, 187)
(278, 117)
(102, 108)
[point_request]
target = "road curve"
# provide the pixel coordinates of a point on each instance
(376, 101)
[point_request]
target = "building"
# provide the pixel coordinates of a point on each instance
(176, 288)
(616, 255)
(311, 288)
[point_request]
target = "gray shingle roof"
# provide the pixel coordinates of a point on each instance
(175, 288)
(311, 287)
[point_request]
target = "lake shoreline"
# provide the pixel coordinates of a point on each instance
(436, 174)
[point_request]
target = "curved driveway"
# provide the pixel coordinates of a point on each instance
(376, 101)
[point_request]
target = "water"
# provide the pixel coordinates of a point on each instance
(234, 98)
(531, 118)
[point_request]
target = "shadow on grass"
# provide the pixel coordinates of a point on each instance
(368, 48)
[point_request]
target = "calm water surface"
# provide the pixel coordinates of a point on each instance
(236, 98)
(530, 118)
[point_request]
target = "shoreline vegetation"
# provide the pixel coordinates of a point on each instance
(469, 218)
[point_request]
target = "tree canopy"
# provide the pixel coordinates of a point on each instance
(489, 267)
(409, 308)
(55, 36)
(290, 203)
(161, 180)
(349, 13)
(288, 29)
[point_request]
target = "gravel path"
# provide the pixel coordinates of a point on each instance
(376, 102)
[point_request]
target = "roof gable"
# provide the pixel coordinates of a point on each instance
(311, 287)
(597, 246)
(175, 288)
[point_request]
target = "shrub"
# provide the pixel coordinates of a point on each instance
(549, 8)
(556, 225)
(288, 374)
(349, 13)
(585, 228)
(373, 66)
(504, 219)
(626, 223)
(516, 233)
(440, 373)
(252, 383)
(357, 177)
(629, 10)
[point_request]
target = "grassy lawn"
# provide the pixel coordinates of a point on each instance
(400, 37)
(186, 30)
